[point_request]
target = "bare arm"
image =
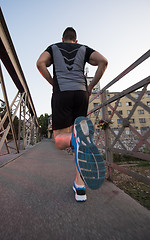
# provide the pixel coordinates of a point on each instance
(96, 59)
(43, 62)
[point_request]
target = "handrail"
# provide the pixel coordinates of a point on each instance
(109, 141)
(127, 70)
(120, 94)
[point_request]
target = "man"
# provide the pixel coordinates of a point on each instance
(70, 104)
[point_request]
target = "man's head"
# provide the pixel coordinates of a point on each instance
(69, 35)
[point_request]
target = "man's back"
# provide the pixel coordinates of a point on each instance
(69, 60)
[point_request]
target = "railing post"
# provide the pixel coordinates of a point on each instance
(8, 110)
(24, 121)
(19, 126)
(32, 142)
(109, 155)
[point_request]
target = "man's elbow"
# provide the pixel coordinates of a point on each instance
(105, 62)
(38, 64)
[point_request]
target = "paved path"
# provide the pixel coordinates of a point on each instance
(37, 203)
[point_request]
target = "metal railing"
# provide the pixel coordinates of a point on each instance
(28, 129)
(106, 139)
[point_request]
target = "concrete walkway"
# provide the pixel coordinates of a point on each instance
(37, 202)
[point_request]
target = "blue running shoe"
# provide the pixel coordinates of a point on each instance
(89, 161)
(80, 193)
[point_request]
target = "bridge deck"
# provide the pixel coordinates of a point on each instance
(37, 202)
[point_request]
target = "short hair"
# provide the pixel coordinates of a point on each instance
(70, 34)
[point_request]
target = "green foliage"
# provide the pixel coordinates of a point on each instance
(124, 158)
(16, 124)
(117, 157)
(138, 191)
(146, 150)
(143, 164)
(43, 122)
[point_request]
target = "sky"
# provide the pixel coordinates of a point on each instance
(118, 29)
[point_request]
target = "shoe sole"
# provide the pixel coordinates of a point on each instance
(89, 160)
(79, 198)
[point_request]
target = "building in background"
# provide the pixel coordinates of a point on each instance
(140, 118)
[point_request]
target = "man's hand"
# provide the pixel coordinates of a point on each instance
(96, 59)
(89, 90)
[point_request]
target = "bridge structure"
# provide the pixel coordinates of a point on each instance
(28, 130)
(36, 200)
(107, 140)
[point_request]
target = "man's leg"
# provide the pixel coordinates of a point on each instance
(63, 137)
(62, 140)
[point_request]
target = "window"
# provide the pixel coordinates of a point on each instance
(142, 120)
(144, 128)
(119, 104)
(137, 95)
(119, 121)
(120, 112)
(148, 103)
(108, 96)
(128, 112)
(95, 90)
(132, 120)
(95, 104)
(147, 94)
(140, 111)
(128, 103)
(109, 112)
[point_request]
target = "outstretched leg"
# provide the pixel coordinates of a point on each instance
(63, 140)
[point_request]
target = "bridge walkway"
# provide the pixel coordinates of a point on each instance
(37, 202)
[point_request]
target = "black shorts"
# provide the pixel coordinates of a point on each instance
(67, 106)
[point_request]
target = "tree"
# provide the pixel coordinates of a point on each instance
(16, 125)
(43, 122)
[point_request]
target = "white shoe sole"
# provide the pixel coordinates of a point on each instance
(79, 198)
